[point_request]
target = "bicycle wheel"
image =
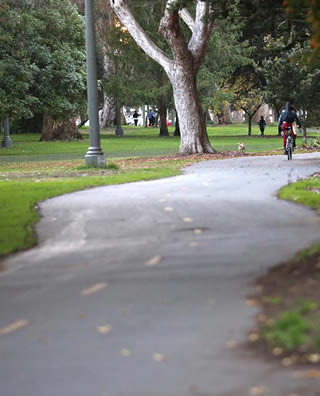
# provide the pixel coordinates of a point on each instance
(289, 151)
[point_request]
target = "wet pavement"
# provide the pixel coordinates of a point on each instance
(140, 289)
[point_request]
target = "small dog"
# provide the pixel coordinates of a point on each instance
(242, 148)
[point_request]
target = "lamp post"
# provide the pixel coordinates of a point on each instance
(6, 141)
(95, 156)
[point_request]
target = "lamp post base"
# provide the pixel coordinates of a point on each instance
(6, 142)
(95, 157)
(119, 131)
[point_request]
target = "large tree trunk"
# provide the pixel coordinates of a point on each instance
(59, 130)
(249, 124)
(194, 137)
(163, 117)
(250, 114)
(183, 68)
(108, 113)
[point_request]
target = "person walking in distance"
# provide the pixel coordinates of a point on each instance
(135, 117)
(152, 117)
(262, 124)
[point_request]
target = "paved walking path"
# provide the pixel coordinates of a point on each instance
(140, 289)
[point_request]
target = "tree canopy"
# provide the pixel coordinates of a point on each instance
(42, 56)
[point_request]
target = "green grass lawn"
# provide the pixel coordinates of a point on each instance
(136, 142)
(306, 192)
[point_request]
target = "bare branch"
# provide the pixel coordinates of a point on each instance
(201, 32)
(171, 31)
(187, 18)
(125, 16)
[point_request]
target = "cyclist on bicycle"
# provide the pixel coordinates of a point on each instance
(287, 117)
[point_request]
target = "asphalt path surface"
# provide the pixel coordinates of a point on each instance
(140, 289)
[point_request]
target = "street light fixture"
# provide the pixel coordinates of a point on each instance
(95, 156)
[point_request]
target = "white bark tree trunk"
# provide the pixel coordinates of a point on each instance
(108, 113)
(182, 69)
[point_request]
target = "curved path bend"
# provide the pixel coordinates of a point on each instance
(139, 289)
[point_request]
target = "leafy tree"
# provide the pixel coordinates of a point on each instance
(308, 10)
(60, 84)
(247, 94)
(265, 22)
(181, 66)
(227, 52)
(134, 79)
(290, 78)
(16, 67)
(43, 58)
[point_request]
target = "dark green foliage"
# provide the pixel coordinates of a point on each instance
(16, 68)
(290, 78)
(42, 59)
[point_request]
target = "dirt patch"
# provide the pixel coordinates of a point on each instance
(282, 289)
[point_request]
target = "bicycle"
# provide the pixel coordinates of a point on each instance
(289, 142)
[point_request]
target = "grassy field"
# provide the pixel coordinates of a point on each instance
(32, 171)
(137, 142)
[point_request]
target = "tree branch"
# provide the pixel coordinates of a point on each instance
(187, 18)
(171, 31)
(125, 16)
(201, 32)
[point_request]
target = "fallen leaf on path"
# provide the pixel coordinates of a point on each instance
(158, 357)
(288, 361)
(312, 374)
(153, 261)
(125, 352)
(253, 337)
(276, 351)
(93, 289)
(106, 329)
(194, 244)
(197, 231)
(257, 390)
(314, 358)
(168, 209)
(187, 219)
(19, 324)
(251, 302)
(231, 344)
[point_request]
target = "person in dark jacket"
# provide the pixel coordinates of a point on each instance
(152, 118)
(135, 117)
(287, 117)
(262, 124)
